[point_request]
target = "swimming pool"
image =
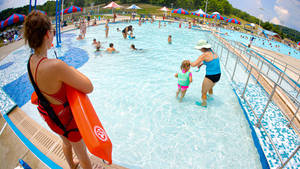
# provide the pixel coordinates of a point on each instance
(134, 96)
(261, 42)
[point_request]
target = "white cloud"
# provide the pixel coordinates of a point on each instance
(288, 12)
(18, 3)
(275, 20)
(281, 12)
(258, 3)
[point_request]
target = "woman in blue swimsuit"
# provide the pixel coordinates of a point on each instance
(213, 69)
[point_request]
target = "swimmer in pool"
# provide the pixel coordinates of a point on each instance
(98, 46)
(111, 48)
(80, 37)
(94, 42)
(184, 79)
(133, 47)
(170, 39)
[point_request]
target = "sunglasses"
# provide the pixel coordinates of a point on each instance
(54, 31)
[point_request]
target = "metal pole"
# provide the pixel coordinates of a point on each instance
(246, 83)
(59, 35)
(34, 4)
(56, 26)
(262, 63)
(248, 61)
(289, 125)
(234, 68)
(283, 74)
(269, 100)
(294, 152)
(62, 9)
(29, 6)
(227, 58)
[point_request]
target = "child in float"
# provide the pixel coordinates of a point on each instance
(131, 36)
(184, 79)
(170, 39)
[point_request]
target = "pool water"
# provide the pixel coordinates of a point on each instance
(261, 42)
(134, 97)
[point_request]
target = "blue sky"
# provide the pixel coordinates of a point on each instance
(283, 12)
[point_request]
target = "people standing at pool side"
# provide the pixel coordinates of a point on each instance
(170, 39)
(213, 69)
(125, 31)
(106, 27)
(50, 76)
(111, 48)
(158, 24)
(184, 79)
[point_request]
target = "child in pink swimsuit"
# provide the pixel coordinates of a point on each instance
(184, 79)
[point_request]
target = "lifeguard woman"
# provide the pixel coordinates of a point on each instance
(50, 76)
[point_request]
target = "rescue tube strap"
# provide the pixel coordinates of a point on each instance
(48, 110)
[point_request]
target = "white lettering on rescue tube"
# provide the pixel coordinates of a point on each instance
(100, 133)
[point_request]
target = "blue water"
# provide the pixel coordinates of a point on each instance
(261, 42)
(134, 97)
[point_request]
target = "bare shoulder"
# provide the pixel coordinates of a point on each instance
(57, 65)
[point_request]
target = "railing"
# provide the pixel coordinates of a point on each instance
(288, 82)
(244, 68)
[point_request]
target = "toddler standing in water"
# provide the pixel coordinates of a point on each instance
(184, 78)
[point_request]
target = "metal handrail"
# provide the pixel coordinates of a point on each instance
(286, 66)
(270, 96)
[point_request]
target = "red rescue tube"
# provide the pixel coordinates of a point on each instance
(89, 125)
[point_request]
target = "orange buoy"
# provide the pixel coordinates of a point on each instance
(89, 125)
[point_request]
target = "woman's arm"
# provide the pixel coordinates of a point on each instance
(198, 61)
(72, 77)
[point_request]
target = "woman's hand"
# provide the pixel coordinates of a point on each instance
(176, 75)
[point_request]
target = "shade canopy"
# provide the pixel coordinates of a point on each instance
(199, 11)
(72, 9)
(112, 5)
(180, 11)
(164, 9)
(133, 6)
(14, 18)
(215, 13)
(232, 20)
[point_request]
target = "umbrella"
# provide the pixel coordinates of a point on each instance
(133, 6)
(112, 5)
(14, 18)
(217, 16)
(232, 20)
(298, 43)
(72, 9)
(2, 24)
(180, 11)
(164, 9)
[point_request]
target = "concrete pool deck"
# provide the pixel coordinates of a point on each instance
(15, 149)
